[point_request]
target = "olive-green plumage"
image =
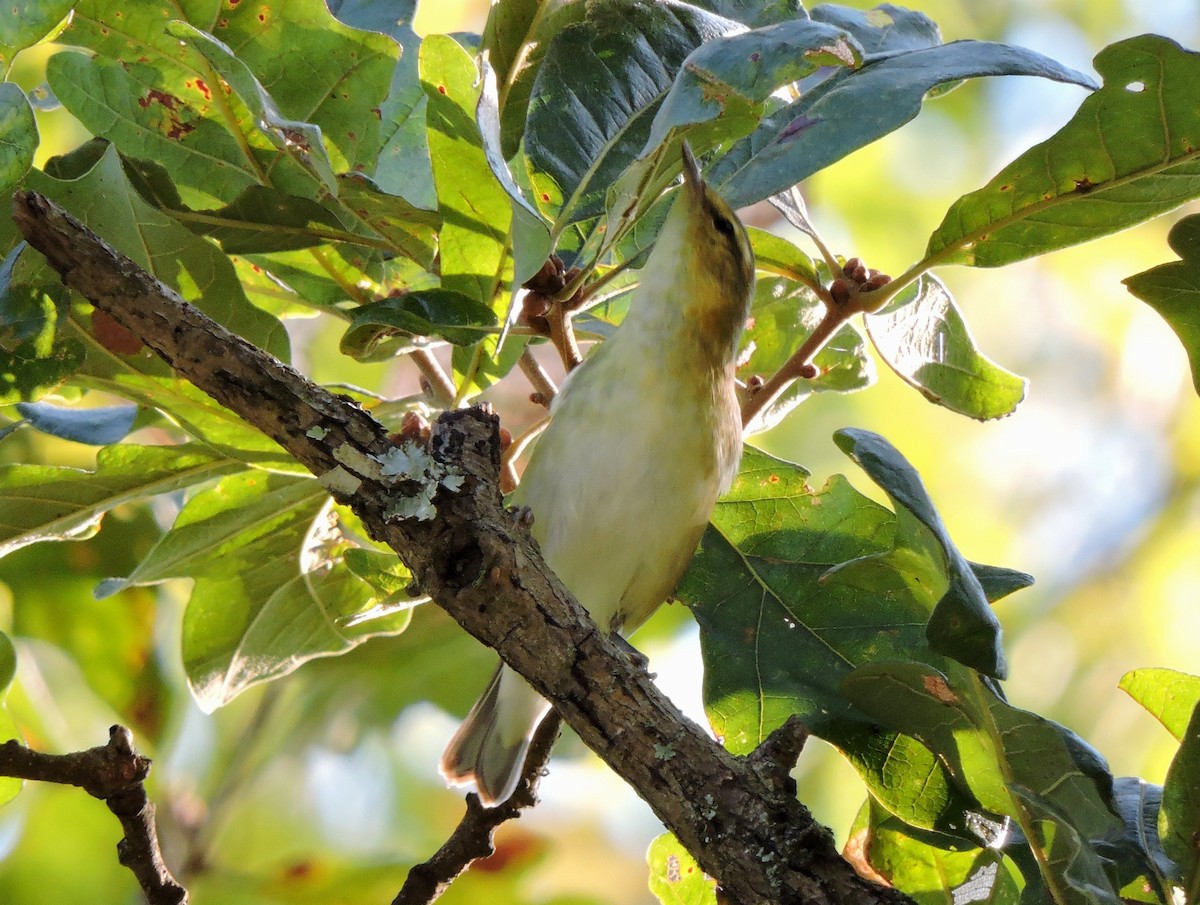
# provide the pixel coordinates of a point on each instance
(644, 437)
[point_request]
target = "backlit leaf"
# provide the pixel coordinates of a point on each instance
(1173, 290)
(1129, 153)
(922, 336)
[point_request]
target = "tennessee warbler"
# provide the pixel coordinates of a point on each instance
(645, 435)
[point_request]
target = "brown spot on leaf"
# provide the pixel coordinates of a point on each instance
(856, 853)
(937, 687)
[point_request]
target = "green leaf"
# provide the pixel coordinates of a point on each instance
(962, 625)
(201, 417)
(515, 83)
(393, 19)
(998, 582)
(1173, 290)
(479, 367)
(27, 25)
(35, 357)
(775, 639)
(507, 35)
(675, 877)
(1180, 815)
(531, 242)
(385, 573)
(827, 122)
(718, 96)
(755, 13)
(271, 590)
(384, 329)
(922, 336)
(1128, 154)
(9, 787)
(105, 202)
(1169, 695)
(733, 76)
(782, 314)
(475, 209)
(44, 502)
(1074, 872)
(932, 868)
(378, 214)
(1147, 867)
(297, 141)
(403, 167)
(1014, 762)
(318, 70)
(8, 664)
(262, 219)
(884, 29)
(607, 76)
(18, 135)
(904, 777)
(97, 426)
(168, 102)
(126, 105)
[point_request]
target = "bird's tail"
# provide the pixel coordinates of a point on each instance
(489, 747)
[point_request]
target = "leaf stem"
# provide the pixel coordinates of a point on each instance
(800, 365)
(441, 387)
(518, 447)
(543, 387)
(562, 334)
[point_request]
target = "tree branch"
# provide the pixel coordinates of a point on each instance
(115, 773)
(472, 838)
(483, 567)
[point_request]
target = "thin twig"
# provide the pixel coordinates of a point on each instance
(800, 365)
(543, 387)
(472, 838)
(562, 334)
(441, 387)
(115, 773)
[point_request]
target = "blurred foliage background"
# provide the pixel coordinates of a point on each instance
(323, 786)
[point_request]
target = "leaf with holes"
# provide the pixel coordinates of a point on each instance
(675, 877)
(1131, 152)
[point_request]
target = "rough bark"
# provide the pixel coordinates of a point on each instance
(483, 567)
(114, 773)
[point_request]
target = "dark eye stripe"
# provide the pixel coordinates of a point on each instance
(722, 225)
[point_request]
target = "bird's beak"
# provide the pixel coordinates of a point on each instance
(691, 171)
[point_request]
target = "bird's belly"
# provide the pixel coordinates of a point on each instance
(620, 524)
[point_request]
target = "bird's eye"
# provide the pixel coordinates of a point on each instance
(723, 225)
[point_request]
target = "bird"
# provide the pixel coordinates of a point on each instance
(644, 436)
